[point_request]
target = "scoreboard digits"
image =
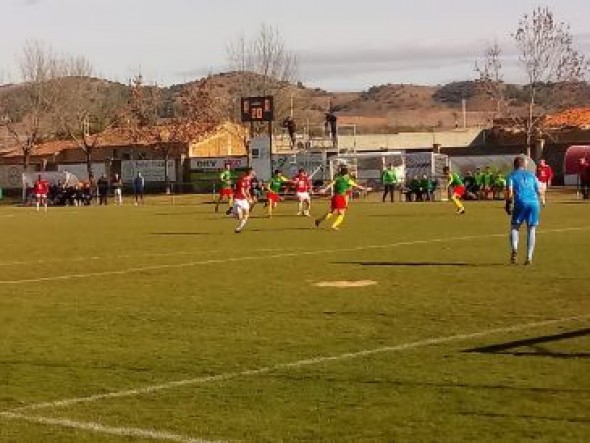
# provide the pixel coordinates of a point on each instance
(257, 109)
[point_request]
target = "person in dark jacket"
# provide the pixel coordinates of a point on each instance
(103, 189)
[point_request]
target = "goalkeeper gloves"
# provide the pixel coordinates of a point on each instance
(508, 207)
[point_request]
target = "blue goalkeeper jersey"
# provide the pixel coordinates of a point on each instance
(524, 185)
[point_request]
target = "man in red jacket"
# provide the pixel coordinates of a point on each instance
(544, 175)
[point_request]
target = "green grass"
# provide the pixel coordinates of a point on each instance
(174, 294)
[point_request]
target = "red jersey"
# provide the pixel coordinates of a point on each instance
(41, 187)
(544, 173)
(243, 188)
(302, 183)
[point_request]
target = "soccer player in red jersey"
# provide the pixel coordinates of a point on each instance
(40, 190)
(544, 175)
(243, 199)
(302, 185)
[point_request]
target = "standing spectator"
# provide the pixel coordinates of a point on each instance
(138, 188)
(499, 186)
(331, 127)
(544, 174)
(103, 189)
(289, 125)
(389, 180)
(585, 177)
(117, 185)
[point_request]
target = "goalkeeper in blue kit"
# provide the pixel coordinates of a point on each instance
(522, 203)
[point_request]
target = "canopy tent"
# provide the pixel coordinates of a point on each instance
(500, 163)
(572, 163)
(53, 178)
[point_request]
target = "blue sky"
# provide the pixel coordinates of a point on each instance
(341, 44)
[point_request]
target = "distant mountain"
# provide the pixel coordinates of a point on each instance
(391, 106)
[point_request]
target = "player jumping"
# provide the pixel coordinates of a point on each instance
(273, 187)
(456, 189)
(522, 190)
(225, 189)
(302, 185)
(243, 199)
(342, 184)
(40, 190)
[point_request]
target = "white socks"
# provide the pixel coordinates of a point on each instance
(531, 240)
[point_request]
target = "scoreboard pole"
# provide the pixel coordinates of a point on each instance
(270, 146)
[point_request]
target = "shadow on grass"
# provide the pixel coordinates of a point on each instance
(511, 347)
(578, 202)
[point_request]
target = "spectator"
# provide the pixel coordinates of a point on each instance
(103, 189)
(331, 127)
(585, 177)
(138, 188)
(389, 180)
(117, 185)
(289, 125)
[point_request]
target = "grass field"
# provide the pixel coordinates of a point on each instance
(128, 323)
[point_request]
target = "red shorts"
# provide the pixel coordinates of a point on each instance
(459, 191)
(339, 202)
(226, 192)
(272, 197)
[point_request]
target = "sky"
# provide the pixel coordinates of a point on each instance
(341, 45)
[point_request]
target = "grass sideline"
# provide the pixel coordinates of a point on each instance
(168, 293)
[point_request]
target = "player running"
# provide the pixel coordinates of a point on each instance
(302, 185)
(243, 199)
(40, 190)
(456, 189)
(273, 188)
(544, 175)
(522, 190)
(225, 189)
(342, 184)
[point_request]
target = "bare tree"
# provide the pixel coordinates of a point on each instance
(29, 120)
(170, 126)
(265, 65)
(86, 107)
(554, 68)
(491, 79)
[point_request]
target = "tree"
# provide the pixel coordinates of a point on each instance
(168, 125)
(491, 80)
(86, 107)
(554, 69)
(28, 120)
(266, 67)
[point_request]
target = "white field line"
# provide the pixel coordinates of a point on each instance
(265, 257)
(295, 364)
(146, 254)
(103, 429)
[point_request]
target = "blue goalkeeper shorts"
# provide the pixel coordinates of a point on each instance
(526, 212)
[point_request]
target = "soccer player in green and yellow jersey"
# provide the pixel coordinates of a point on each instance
(456, 189)
(225, 188)
(273, 188)
(341, 185)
